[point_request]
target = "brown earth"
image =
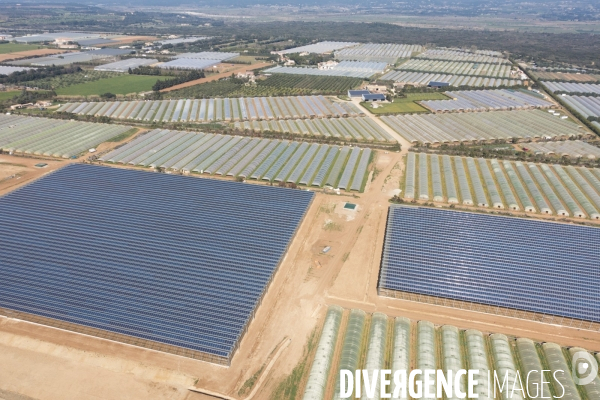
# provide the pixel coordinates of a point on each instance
(47, 363)
(130, 39)
(30, 53)
(225, 70)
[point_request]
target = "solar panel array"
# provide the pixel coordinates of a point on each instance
(353, 69)
(570, 148)
(124, 65)
(478, 127)
(319, 48)
(566, 87)
(539, 267)
(497, 70)
(168, 262)
(542, 188)
(487, 100)
(378, 52)
(423, 79)
(53, 137)
(250, 158)
(208, 110)
(351, 129)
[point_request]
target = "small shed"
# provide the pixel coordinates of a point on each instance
(357, 93)
(373, 97)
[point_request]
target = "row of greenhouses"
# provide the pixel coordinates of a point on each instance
(518, 186)
(52, 137)
(458, 55)
(568, 148)
(209, 110)
(498, 70)
(481, 127)
(424, 78)
(487, 100)
(309, 164)
(378, 52)
(352, 129)
(568, 87)
(374, 342)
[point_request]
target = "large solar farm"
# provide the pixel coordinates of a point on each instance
(441, 211)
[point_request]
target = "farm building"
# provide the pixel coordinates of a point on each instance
(492, 264)
(373, 97)
(357, 93)
(167, 290)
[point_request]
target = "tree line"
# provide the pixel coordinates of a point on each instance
(167, 83)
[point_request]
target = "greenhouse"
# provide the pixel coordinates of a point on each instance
(250, 158)
(213, 110)
(374, 341)
(544, 188)
(488, 127)
(53, 137)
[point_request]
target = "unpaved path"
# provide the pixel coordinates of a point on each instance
(224, 74)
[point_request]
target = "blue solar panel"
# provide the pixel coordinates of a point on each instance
(171, 259)
(544, 267)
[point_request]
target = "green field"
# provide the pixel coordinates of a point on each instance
(8, 95)
(406, 104)
(123, 84)
(14, 47)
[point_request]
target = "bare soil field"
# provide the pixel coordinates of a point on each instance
(225, 70)
(47, 363)
(30, 53)
(130, 39)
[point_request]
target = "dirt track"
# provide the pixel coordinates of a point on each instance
(72, 366)
(226, 73)
(30, 53)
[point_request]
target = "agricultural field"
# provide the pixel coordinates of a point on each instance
(8, 95)
(376, 341)
(376, 52)
(325, 84)
(285, 162)
(210, 110)
(66, 80)
(404, 105)
(491, 183)
(351, 129)
(456, 128)
(463, 56)
(6, 48)
(122, 84)
(51, 137)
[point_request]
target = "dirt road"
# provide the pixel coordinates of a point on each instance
(30, 53)
(226, 73)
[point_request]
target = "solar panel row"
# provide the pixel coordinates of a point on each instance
(163, 258)
(495, 261)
